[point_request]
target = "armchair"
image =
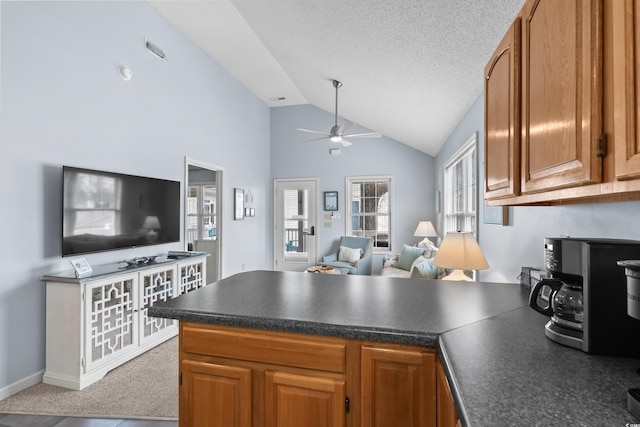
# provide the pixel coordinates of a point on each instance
(361, 265)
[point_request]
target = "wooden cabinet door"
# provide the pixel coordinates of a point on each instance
(215, 395)
(398, 388)
(295, 400)
(447, 416)
(502, 117)
(626, 94)
(561, 93)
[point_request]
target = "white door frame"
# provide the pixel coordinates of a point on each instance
(313, 220)
(219, 206)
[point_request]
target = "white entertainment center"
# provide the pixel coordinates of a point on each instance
(96, 323)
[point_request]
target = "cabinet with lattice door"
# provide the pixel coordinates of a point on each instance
(97, 323)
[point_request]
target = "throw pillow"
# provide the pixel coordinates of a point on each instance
(408, 255)
(417, 261)
(430, 250)
(349, 254)
(425, 270)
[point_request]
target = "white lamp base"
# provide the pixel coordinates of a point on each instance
(458, 275)
(426, 242)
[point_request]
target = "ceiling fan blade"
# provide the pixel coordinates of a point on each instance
(314, 131)
(316, 139)
(345, 126)
(364, 135)
(345, 143)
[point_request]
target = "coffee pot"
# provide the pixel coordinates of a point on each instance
(564, 302)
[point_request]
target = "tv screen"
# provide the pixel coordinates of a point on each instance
(104, 211)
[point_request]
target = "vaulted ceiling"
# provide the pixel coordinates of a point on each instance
(410, 68)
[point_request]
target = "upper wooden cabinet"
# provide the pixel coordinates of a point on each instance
(626, 94)
(561, 93)
(579, 105)
(502, 117)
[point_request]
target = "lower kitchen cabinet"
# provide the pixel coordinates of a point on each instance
(215, 395)
(398, 387)
(247, 377)
(447, 416)
(300, 400)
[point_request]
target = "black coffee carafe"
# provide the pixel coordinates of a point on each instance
(565, 304)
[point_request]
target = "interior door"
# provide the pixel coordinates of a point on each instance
(295, 224)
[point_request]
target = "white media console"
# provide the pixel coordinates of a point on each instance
(97, 323)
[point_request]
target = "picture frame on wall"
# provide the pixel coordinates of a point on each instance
(238, 207)
(330, 200)
(497, 215)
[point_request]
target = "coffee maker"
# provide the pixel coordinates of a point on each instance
(586, 295)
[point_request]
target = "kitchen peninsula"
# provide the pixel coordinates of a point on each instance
(282, 326)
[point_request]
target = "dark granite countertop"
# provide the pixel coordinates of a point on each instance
(503, 370)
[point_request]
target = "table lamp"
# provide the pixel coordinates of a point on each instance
(151, 224)
(460, 251)
(425, 229)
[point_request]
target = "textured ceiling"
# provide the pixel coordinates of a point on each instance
(410, 68)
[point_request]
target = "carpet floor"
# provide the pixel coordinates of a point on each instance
(145, 387)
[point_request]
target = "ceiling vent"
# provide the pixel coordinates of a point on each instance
(154, 49)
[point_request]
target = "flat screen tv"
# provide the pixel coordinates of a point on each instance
(103, 211)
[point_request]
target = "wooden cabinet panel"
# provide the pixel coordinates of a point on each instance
(234, 379)
(447, 416)
(398, 387)
(502, 117)
(215, 395)
(264, 346)
(561, 93)
(626, 78)
(296, 400)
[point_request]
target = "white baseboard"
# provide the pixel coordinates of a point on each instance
(21, 385)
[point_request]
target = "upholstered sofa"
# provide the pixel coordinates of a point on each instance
(412, 262)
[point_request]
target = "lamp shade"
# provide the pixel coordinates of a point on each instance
(460, 251)
(151, 222)
(425, 229)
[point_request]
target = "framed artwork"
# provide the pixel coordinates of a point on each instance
(330, 200)
(498, 215)
(81, 266)
(238, 206)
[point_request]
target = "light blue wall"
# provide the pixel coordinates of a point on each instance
(64, 103)
(412, 171)
(520, 243)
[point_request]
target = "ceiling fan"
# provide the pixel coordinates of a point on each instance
(338, 133)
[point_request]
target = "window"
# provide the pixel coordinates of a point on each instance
(369, 209)
(96, 203)
(201, 212)
(460, 196)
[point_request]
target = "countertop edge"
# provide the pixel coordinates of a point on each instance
(301, 327)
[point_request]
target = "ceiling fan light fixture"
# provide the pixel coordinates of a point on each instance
(336, 138)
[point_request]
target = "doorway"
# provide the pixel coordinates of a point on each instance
(294, 241)
(202, 217)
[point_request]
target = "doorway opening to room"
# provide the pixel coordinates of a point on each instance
(202, 218)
